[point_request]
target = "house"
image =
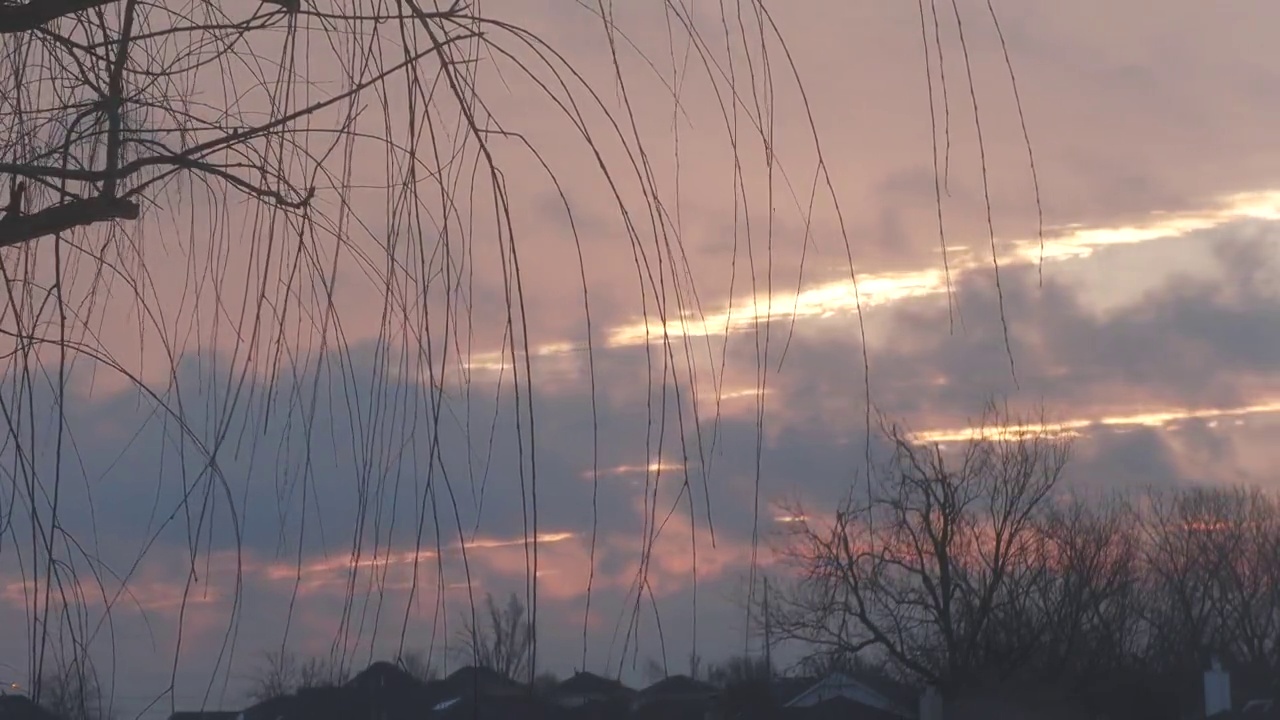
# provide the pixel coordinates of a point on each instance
(1009, 706)
(275, 708)
(676, 697)
(478, 693)
(204, 715)
(759, 698)
(838, 696)
(390, 693)
(499, 707)
(838, 707)
(587, 696)
(385, 691)
(21, 707)
(382, 691)
(481, 681)
(584, 688)
(1047, 702)
(881, 694)
(1217, 699)
(472, 687)
(674, 688)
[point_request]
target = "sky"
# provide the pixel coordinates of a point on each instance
(362, 497)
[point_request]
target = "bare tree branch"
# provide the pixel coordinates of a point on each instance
(500, 640)
(66, 216)
(921, 570)
(33, 14)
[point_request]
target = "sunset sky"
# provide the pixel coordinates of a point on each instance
(1149, 331)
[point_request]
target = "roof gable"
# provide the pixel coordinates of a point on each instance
(269, 709)
(21, 707)
(839, 685)
(672, 708)
(587, 683)
(838, 708)
(483, 679)
(493, 707)
(678, 685)
(203, 715)
(383, 675)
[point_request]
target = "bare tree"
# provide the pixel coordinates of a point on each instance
(1248, 584)
(1212, 578)
(499, 637)
(821, 664)
(285, 674)
(919, 570)
(416, 663)
(745, 683)
(739, 670)
(1069, 625)
(697, 670)
(966, 570)
(654, 671)
(545, 683)
(72, 692)
(1088, 597)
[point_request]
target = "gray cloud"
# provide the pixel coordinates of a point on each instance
(812, 449)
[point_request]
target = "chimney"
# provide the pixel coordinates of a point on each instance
(1217, 689)
(931, 704)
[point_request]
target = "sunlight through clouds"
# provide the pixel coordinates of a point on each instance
(1163, 419)
(875, 289)
(837, 298)
(311, 575)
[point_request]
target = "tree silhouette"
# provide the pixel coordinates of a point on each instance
(72, 692)
(922, 568)
(284, 673)
(499, 638)
(418, 665)
(968, 572)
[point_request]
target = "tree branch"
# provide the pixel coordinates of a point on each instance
(60, 218)
(36, 13)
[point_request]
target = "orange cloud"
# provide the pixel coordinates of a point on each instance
(1073, 428)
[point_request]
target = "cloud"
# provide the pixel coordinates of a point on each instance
(322, 503)
(362, 445)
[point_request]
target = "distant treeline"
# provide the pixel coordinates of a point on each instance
(975, 566)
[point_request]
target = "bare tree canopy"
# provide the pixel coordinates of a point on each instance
(72, 691)
(973, 570)
(418, 665)
(499, 637)
(119, 130)
(739, 670)
(921, 569)
(1212, 580)
(285, 674)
